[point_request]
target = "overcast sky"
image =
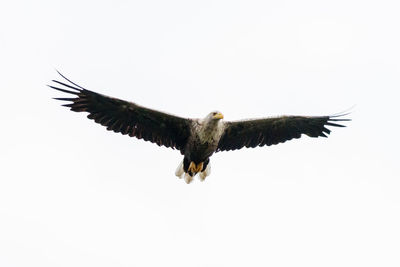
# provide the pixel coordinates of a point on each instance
(74, 194)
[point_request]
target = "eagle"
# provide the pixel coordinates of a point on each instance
(196, 139)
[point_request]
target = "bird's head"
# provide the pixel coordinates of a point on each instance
(215, 116)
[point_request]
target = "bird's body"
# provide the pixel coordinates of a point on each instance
(203, 141)
(196, 139)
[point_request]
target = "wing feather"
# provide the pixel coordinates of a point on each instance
(125, 117)
(272, 131)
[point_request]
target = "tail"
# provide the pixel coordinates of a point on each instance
(189, 170)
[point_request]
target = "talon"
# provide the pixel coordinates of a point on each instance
(199, 167)
(192, 167)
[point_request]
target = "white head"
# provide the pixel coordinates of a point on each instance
(212, 127)
(214, 116)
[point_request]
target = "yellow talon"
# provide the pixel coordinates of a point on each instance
(192, 167)
(199, 167)
(195, 168)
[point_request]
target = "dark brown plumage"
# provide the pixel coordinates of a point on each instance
(272, 131)
(128, 118)
(196, 139)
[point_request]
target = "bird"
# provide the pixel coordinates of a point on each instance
(196, 139)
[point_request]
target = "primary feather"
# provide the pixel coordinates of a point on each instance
(127, 118)
(271, 131)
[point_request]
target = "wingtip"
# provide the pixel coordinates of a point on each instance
(68, 80)
(64, 98)
(68, 105)
(338, 117)
(334, 124)
(344, 112)
(64, 90)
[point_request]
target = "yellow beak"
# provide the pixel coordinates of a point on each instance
(218, 116)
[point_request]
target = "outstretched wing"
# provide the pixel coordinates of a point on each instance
(126, 117)
(271, 131)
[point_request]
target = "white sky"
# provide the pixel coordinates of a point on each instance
(74, 194)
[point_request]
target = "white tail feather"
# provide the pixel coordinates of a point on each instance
(205, 173)
(179, 171)
(188, 178)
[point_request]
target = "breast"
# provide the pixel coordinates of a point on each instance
(204, 140)
(199, 151)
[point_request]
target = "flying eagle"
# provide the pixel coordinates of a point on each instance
(196, 139)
